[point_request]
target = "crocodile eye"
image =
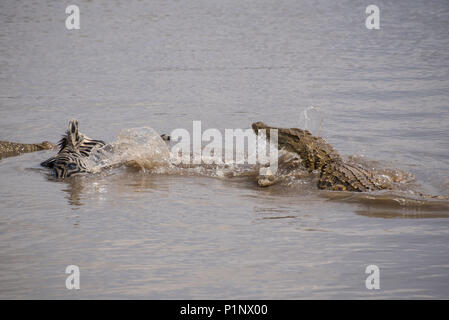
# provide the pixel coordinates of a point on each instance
(71, 166)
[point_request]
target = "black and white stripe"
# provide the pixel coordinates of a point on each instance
(74, 147)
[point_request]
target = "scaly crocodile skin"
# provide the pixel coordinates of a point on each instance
(9, 149)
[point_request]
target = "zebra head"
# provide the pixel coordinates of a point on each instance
(74, 148)
(69, 163)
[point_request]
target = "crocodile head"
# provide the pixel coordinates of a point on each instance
(46, 145)
(289, 139)
(314, 151)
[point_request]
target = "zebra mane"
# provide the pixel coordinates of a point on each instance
(63, 142)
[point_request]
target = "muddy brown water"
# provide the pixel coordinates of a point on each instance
(381, 94)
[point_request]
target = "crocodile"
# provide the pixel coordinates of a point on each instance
(10, 149)
(318, 155)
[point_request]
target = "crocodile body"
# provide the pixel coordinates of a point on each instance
(9, 149)
(318, 155)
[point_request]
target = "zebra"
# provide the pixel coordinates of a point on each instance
(74, 148)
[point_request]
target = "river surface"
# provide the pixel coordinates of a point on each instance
(380, 95)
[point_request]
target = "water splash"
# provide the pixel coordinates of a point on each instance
(312, 119)
(141, 148)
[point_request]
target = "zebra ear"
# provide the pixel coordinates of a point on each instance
(72, 132)
(49, 163)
